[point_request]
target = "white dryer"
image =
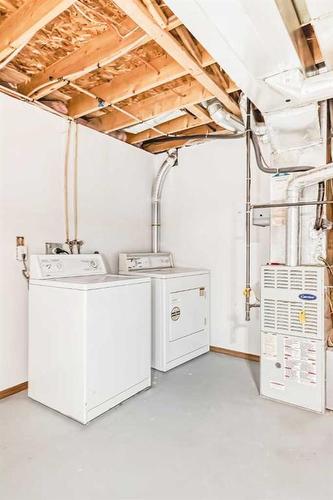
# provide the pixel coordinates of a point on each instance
(180, 307)
(89, 335)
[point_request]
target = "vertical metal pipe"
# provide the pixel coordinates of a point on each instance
(156, 224)
(247, 289)
(156, 199)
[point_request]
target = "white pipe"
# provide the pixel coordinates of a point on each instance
(156, 199)
(223, 117)
(295, 187)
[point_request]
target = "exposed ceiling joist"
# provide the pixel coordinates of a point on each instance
(21, 26)
(169, 144)
(170, 127)
(321, 13)
(100, 51)
(156, 13)
(134, 82)
(189, 43)
(182, 96)
(292, 22)
(136, 11)
(199, 112)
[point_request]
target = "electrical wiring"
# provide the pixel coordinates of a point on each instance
(329, 294)
(320, 208)
(106, 104)
(264, 167)
(25, 270)
(158, 140)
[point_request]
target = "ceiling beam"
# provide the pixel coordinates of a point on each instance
(188, 42)
(132, 83)
(159, 147)
(99, 51)
(293, 25)
(136, 11)
(170, 127)
(21, 26)
(189, 93)
(156, 13)
(200, 112)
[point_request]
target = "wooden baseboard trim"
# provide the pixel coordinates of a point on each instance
(13, 390)
(236, 354)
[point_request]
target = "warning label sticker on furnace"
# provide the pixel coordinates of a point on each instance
(300, 360)
(269, 348)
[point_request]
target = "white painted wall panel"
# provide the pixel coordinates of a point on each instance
(203, 223)
(114, 200)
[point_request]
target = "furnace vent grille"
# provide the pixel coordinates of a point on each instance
(292, 300)
(291, 317)
(301, 279)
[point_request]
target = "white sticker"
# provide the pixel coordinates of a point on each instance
(269, 346)
(300, 360)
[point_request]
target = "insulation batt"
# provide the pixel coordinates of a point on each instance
(58, 106)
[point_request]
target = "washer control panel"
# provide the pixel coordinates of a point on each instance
(144, 261)
(62, 266)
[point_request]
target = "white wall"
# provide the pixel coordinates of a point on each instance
(114, 201)
(203, 223)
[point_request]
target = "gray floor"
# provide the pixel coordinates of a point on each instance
(201, 432)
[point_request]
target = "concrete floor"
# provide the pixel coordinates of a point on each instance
(201, 432)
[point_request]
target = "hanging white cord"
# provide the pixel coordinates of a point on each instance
(76, 182)
(68, 142)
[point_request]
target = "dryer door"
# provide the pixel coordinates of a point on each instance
(187, 312)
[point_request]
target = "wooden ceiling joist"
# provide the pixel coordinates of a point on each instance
(292, 22)
(189, 43)
(172, 143)
(176, 73)
(23, 24)
(182, 96)
(98, 52)
(140, 15)
(134, 82)
(200, 112)
(156, 12)
(170, 127)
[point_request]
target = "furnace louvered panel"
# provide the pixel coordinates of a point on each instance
(293, 278)
(293, 300)
(291, 317)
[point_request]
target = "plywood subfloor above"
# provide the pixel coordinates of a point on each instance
(113, 65)
(105, 64)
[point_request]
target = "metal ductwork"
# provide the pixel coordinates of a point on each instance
(222, 117)
(157, 190)
(295, 187)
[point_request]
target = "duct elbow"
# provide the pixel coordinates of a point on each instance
(168, 163)
(223, 118)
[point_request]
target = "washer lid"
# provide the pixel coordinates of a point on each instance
(91, 282)
(170, 272)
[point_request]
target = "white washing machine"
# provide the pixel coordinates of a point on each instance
(89, 335)
(180, 307)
